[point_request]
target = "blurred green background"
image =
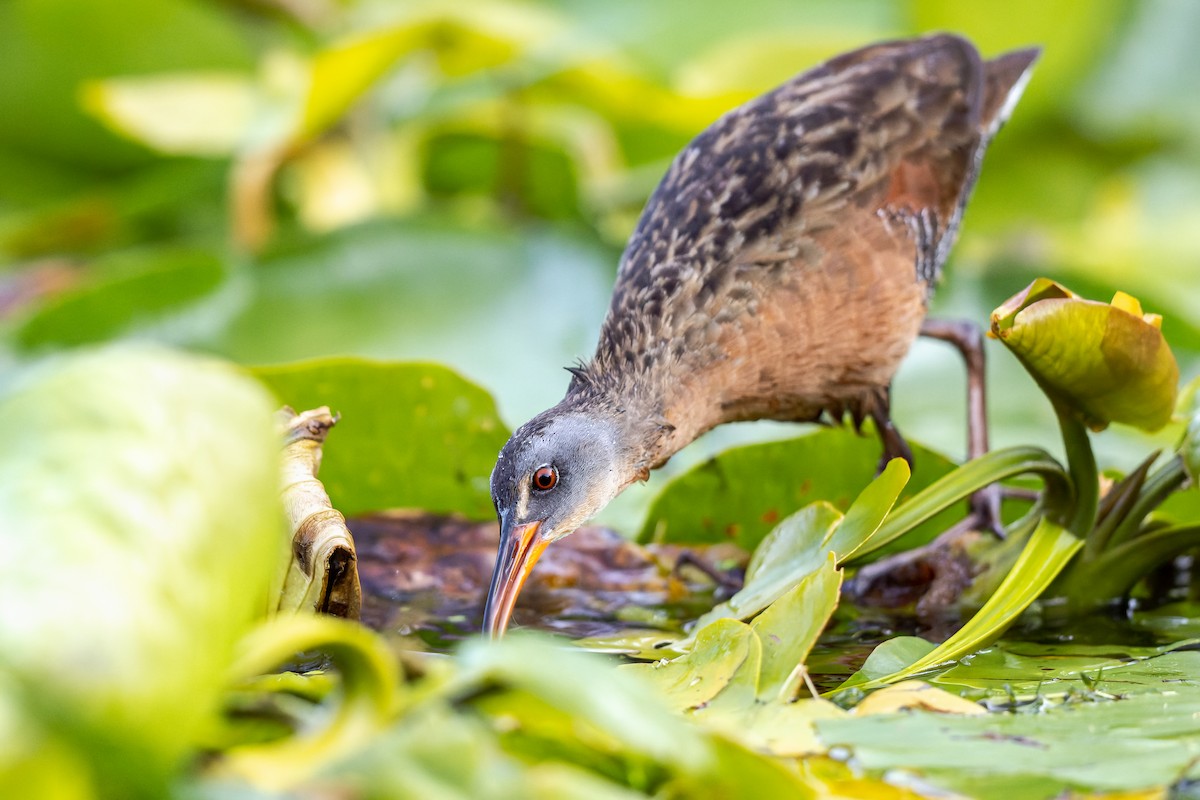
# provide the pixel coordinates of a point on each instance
(272, 180)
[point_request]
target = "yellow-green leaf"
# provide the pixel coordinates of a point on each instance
(140, 526)
(1109, 362)
(204, 114)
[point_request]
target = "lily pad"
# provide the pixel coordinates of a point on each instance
(1109, 362)
(126, 294)
(411, 435)
(983, 756)
(742, 494)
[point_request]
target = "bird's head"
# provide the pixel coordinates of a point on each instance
(556, 471)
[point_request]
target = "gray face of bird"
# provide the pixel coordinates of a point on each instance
(556, 471)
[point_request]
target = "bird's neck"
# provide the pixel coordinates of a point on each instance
(645, 437)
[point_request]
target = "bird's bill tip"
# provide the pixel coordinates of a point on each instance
(520, 548)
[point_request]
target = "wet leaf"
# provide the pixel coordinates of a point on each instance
(693, 679)
(909, 695)
(789, 627)
(1044, 556)
(411, 435)
(1023, 670)
(891, 657)
(1109, 362)
(742, 494)
(139, 518)
(986, 756)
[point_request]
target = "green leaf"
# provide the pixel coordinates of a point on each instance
(697, 677)
(741, 494)
(890, 658)
(361, 709)
(969, 478)
(789, 627)
(986, 756)
(41, 53)
(1112, 574)
(126, 295)
(206, 114)
(1047, 552)
(411, 435)
(588, 690)
(869, 510)
(140, 524)
(793, 551)
(1109, 363)
(1018, 670)
(1189, 448)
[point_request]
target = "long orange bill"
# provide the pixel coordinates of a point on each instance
(520, 548)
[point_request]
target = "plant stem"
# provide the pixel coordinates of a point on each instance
(1081, 464)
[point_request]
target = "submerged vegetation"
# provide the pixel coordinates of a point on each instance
(447, 187)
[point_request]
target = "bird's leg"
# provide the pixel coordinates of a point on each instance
(894, 446)
(968, 338)
(689, 559)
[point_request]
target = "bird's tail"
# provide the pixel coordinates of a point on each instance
(1005, 78)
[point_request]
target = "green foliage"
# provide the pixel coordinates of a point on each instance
(126, 294)
(1040, 754)
(1043, 557)
(501, 155)
(125, 585)
(413, 435)
(742, 494)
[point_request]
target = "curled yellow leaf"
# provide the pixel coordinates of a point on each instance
(1108, 361)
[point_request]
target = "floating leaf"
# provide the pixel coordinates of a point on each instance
(140, 525)
(411, 436)
(908, 695)
(1108, 362)
(999, 756)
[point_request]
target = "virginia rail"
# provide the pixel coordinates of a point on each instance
(781, 270)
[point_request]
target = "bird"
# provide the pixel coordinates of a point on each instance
(781, 270)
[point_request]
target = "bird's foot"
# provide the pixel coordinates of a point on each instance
(894, 446)
(726, 581)
(930, 579)
(984, 512)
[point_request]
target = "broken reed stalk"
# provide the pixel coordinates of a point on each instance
(322, 574)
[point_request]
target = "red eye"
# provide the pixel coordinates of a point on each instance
(544, 478)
